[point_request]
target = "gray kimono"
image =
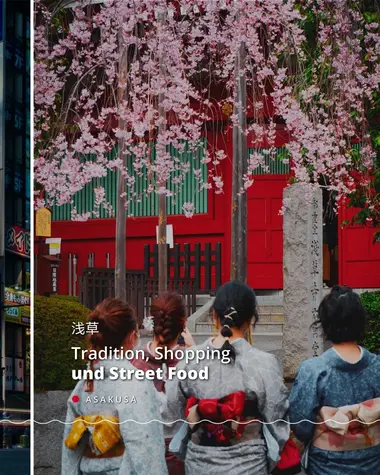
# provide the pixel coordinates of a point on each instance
(259, 376)
(144, 443)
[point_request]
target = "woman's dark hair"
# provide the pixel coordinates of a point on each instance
(114, 320)
(169, 316)
(342, 315)
(235, 304)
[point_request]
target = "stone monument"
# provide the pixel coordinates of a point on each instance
(303, 279)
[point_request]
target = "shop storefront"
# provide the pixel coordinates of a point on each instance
(15, 214)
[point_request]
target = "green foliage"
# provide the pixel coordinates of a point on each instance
(371, 302)
(53, 339)
(69, 298)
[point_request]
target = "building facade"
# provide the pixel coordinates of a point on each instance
(344, 251)
(15, 215)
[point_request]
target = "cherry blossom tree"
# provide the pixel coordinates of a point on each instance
(124, 75)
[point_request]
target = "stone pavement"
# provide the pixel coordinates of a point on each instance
(15, 461)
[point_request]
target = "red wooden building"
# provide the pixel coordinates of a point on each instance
(350, 257)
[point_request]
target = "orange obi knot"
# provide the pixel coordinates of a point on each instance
(104, 437)
(221, 416)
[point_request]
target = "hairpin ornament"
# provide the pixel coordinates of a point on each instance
(232, 312)
(148, 323)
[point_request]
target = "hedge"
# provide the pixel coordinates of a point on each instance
(371, 302)
(53, 339)
(69, 298)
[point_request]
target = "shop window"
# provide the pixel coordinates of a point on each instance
(27, 179)
(27, 275)
(14, 270)
(19, 26)
(19, 342)
(18, 211)
(10, 20)
(10, 339)
(27, 150)
(27, 214)
(27, 65)
(18, 149)
(9, 211)
(19, 89)
(9, 86)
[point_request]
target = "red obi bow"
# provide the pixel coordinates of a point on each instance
(290, 459)
(217, 410)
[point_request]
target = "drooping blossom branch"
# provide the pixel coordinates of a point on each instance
(318, 86)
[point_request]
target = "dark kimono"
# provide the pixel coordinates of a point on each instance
(329, 385)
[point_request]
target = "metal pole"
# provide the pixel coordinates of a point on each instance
(75, 275)
(240, 164)
(121, 235)
(70, 275)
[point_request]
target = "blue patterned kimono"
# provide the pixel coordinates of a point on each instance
(328, 380)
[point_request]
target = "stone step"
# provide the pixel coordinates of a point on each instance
(264, 318)
(202, 299)
(267, 327)
(269, 342)
(270, 309)
(270, 300)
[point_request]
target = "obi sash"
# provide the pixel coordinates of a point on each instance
(105, 439)
(349, 427)
(221, 418)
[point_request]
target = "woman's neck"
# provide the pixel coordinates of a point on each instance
(236, 334)
(155, 343)
(348, 350)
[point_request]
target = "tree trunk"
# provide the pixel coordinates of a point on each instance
(121, 224)
(240, 165)
(162, 212)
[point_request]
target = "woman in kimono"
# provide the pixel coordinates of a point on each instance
(97, 441)
(340, 386)
(242, 387)
(168, 319)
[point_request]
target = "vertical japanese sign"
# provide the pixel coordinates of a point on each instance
(54, 278)
(316, 279)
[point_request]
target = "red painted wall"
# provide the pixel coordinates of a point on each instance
(359, 259)
(265, 247)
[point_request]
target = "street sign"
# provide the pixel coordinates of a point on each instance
(169, 235)
(17, 240)
(43, 222)
(54, 246)
(17, 306)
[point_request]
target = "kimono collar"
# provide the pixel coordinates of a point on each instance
(151, 357)
(340, 363)
(240, 344)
